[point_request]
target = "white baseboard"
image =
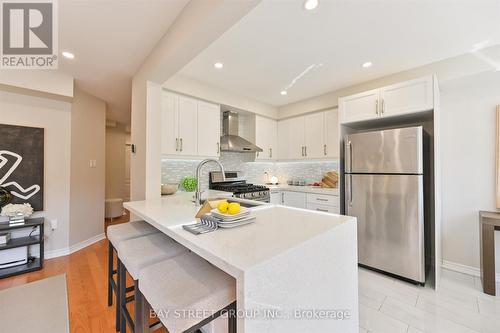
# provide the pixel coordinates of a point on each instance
(464, 269)
(73, 248)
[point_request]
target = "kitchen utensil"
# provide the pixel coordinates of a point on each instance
(207, 224)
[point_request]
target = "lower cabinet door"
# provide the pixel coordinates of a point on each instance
(323, 208)
(294, 199)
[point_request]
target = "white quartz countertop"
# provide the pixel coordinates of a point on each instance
(277, 229)
(305, 189)
(288, 260)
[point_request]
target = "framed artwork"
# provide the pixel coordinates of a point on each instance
(22, 164)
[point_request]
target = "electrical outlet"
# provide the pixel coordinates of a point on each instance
(53, 224)
(93, 163)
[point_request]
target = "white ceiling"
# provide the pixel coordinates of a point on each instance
(278, 40)
(110, 40)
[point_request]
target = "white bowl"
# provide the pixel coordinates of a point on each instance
(168, 189)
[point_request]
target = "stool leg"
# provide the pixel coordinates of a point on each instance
(141, 312)
(232, 318)
(122, 295)
(110, 274)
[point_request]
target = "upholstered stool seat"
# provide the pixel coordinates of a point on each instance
(125, 231)
(188, 282)
(134, 255)
(138, 253)
(117, 234)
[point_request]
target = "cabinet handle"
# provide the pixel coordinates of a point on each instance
(382, 106)
(376, 107)
(302, 150)
(324, 149)
(218, 148)
(305, 151)
(320, 199)
(270, 152)
(176, 144)
(282, 197)
(322, 210)
(181, 143)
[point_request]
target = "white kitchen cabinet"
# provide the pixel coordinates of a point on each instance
(407, 97)
(314, 135)
(266, 137)
(294, 199)
(169, 124)
(276, 197)
(398, 99)
(190, 127)
(208, 129)
(362, 106)
(323, 208)
(284, 135)
(296, 138)
(331, 133)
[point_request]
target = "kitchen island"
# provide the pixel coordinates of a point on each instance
(295, 270)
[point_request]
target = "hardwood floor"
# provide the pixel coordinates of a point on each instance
(86, 272)
(86, 276)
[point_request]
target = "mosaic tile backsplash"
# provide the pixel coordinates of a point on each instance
(311, 171)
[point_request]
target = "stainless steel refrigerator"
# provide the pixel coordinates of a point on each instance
(384, 189)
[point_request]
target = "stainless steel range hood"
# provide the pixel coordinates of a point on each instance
(230, 140)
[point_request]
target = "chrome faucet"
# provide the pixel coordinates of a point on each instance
(197, 198)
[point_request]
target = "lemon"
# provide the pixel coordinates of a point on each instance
(233, 208)
(222, 207)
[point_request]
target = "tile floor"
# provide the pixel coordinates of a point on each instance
(388, 305)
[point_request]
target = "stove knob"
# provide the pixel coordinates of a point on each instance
(249, 195)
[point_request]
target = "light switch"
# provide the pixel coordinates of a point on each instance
(93, 163)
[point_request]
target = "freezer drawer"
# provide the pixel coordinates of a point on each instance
(389, 151)
(390, 214)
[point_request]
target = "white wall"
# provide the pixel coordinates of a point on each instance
(195, 88)
(51, 82)
(198, 25)
(116, 139)
(468, 163)
(55, 117)
(448, 69)
(88, 121)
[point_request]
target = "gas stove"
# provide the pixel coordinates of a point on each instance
(239, 187)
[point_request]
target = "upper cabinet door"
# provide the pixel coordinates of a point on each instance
(208, 129)
(169, 124)
(314, 139)
(296, 139)
(188, 126)
(284, 134)
(266, 137)
(359, 107)
(407, 97)
(332, 143)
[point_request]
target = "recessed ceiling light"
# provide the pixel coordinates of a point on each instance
(218, 65)
(68, 55)
(367, 64)
(283, 92)
(311, 4)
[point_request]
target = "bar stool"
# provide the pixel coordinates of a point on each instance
(187, 283)
(134, 255)
(117, 234)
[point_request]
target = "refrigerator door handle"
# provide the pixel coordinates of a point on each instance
(349, 191)
(348, 164)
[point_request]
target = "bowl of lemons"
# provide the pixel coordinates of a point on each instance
(230, 211)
